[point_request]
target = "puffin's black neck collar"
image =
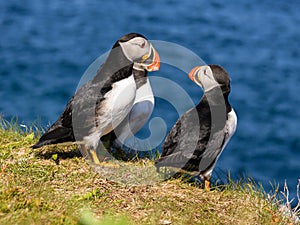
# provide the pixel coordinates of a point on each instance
(217, 96)
(224, 89)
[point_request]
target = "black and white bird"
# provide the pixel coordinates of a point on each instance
(198, 138)
(139, 114)
(102, 104)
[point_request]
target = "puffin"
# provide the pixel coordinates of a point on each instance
(198, 138)
(139, 114)
(101, 104)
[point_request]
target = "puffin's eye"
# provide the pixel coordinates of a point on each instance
(143, 44)
(140, 44)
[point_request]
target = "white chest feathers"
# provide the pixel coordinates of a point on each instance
(144, 93)
(119, 99)
(230, 125)
(117, 104)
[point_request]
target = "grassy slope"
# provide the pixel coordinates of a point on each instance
(36, 188)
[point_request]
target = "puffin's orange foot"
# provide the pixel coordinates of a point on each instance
(207, 185)
(94, 157)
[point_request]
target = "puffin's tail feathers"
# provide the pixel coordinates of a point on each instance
(54, 136)
(177, 160)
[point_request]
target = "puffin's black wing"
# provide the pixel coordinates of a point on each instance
(81, 112)
(213, 148)
(82, 107)
(182, 140)
(192, 144)
(172, 139)
(61, 130)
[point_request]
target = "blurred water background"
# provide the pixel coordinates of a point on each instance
(46, 46)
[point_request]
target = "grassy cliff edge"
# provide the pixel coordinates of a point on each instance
(54, 185)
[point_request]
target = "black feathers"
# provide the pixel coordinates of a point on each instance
(85, 105)
(199, 136)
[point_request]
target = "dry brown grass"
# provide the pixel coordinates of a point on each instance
(54, 185)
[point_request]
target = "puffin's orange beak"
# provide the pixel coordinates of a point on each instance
(155, 65)
(192, 73)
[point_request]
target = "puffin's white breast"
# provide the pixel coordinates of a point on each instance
(144, 93)
(119, 101)
(140, 113)
(117, 104)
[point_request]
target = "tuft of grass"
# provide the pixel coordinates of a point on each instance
(54, 185)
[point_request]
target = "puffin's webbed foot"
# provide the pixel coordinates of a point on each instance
(207, 184)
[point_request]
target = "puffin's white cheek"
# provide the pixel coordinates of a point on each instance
(133, 52)
(128, 50)
(141, 54)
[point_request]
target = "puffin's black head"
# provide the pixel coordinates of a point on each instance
(128, 37)
(139, 50)
(210, 76)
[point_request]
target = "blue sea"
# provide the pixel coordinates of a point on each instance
(46, 46)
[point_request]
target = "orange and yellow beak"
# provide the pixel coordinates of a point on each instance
(192, 73)
(155, 64)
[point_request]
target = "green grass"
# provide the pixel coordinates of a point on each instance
(54, 185)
